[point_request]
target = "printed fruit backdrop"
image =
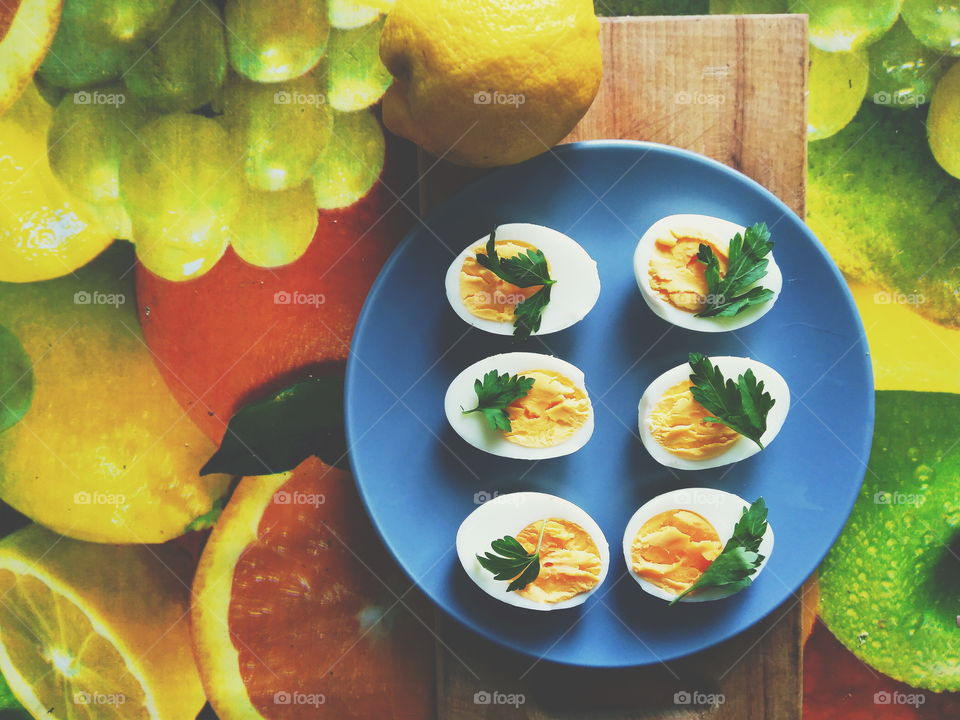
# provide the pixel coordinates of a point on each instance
(195, 198)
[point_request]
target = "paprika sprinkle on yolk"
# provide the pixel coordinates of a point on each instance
(675, 272)
(672, 549)
(553, 410)
(487, 296)
(569, 560)
(676, 422)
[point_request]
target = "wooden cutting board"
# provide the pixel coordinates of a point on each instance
(732, 88)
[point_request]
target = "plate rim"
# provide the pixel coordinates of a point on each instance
(586, 146)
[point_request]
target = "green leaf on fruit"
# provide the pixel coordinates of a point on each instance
(16, 380)
(278, 433)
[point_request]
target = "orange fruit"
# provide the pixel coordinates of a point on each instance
(27, 28)
(297, 612)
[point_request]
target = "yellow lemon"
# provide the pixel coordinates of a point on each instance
(103, 452)
(96, 631)
(45, 231)
(489, 82)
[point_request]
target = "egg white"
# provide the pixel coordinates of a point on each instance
(721, 509)
(507, 515)
(731, 367)
(721, 229)
(571, 298)
(473, 427)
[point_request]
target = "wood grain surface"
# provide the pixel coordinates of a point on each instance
(732, 88)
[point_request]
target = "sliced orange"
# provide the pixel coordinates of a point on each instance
(296, 611)
(96, 631)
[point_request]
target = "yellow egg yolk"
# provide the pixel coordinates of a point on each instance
(676, 274)
(487, 296)
(550, 413)
(569, 560)
(673, 549)
(676, 422)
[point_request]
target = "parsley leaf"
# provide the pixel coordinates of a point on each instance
(741, 406)
(494, 393)
(735, 566)
(512, 561)
(731, 293)
(528, 269)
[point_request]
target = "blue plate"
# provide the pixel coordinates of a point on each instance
(419, 479)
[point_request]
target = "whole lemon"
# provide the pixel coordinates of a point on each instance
(489, 82)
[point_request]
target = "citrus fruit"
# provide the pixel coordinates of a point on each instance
(291, 617)
(890, 583)
(96, 631)
(356, 78)
(943, 121)
(845, 25)
(27, 28)
(903, 73)
(485, 82)
(837, 83)
(103, 453)
(45, 231)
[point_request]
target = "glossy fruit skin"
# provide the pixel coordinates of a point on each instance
(279, 129)
(276, 41)
(935, 23)
(837, 83)
(903, 73)
(356, 78)
(186, 64)
(845, 25)
(241, 332)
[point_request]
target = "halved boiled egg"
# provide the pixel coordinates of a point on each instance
(672, 539)
(672, 425)
(672, 281)
(553, 418)
(487, 302)
(573, 553)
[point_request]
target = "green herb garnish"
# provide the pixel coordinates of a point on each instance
(524, 270)
(731, 293)
(512, 561)
(741, 406)
(735, 566)
(494, 393)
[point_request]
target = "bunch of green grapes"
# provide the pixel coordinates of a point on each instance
(191, 125)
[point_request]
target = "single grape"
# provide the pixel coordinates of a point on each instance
(185, 66)
(179, 248)
(349, 14)
(747, 7)
(279, 129)
(179, 184)
(845, 25)
(935, 23)
(356, 78)
(903, 72)
(89, 130)
(351, 162)
(277, 40)
(837, 82)
(94, 42)
(274, 228)
(943, 121)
